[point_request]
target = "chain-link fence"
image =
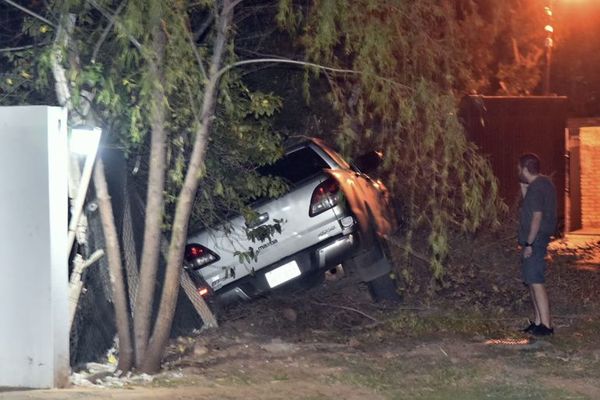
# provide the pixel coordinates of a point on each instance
(94, 330)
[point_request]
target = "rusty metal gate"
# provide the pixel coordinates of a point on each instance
(506, 127)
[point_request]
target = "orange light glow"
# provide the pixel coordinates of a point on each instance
(508, 342)
(587, 267)
(203, 291)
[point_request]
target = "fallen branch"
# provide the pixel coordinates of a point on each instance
(348, 309)
(97, 255)
(413, 253)
(75, 281)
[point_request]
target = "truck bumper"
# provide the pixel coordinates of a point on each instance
(312, 260)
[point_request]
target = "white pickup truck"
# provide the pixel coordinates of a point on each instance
(333, 213)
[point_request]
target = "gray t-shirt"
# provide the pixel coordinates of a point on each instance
(540, 196)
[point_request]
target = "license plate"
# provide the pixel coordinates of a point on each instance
(282, 274)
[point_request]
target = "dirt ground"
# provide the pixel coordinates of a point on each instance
(332, 343)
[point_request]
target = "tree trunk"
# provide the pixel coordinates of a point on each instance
(160, 336)
(116, 269)
(189, 288)
(61, 85)
(154, 200)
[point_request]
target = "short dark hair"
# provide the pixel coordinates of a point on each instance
(531, 162)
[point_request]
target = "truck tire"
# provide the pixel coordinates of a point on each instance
(384, 289)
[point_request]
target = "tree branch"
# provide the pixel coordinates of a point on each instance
(192, 42)
(306, 64)
(229, 7)
(61, 85)
(111, 23)
(348, 309)
(107, 15)
(21, 48)
(28, 11)
(404, 247)
(192, 102)
(207, 23)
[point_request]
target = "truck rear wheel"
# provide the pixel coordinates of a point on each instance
(384, 289)
(374, 268)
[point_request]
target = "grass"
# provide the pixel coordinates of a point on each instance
(502, 392)
(281, 377)
(441, 355)
(317, 397)
(488, 373)
(461, 322)
(172, 382)
(423, 379)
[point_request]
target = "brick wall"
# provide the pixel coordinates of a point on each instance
(590, 176)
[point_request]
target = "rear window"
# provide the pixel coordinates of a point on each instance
(296, 166)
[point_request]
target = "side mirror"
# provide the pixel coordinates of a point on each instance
(369, 162)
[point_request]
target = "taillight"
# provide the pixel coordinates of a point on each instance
(324, 197)
(197, 256)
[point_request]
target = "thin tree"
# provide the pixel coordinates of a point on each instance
(155, 190)
(117, 279)
(166, 311)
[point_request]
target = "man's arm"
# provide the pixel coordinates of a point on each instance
(536, 221)
(523, 189)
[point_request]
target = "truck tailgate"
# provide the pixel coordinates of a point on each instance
(298, 231)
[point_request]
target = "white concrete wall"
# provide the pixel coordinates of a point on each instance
(34, 335)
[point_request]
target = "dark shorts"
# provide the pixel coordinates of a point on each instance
(534, 267)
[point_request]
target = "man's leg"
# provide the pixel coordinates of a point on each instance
(541, 303)
(537, 318)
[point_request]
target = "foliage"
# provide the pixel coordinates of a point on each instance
(520, 58)
(263, 233)
(24, 75)
(414, 60)
(241, 140)
(115, 76)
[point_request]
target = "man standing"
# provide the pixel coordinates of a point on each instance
(537, 222)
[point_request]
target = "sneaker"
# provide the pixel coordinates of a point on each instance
(542, 330)
(530, 328)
